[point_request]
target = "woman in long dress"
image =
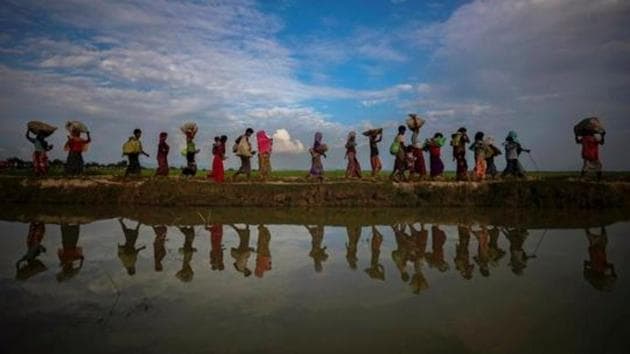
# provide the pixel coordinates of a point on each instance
(317, 151)
(353, 170)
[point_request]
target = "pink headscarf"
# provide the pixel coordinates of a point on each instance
(264, 142)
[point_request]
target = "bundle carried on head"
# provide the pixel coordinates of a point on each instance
(414, 121)
(40, 128)
(190, 129)
(588, 126)
(373, 132)
(75, 125)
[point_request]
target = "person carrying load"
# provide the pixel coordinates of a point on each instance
(590, 133)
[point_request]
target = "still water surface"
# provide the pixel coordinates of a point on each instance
(404, 285)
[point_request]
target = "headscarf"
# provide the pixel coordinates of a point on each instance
(512, 134)
(351, 139)
(318, 140)
(264, 142)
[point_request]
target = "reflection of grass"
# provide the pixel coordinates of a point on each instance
(57, 171)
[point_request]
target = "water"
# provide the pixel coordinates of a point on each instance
(517, 283)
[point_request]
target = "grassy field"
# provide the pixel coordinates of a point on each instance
(57, 171)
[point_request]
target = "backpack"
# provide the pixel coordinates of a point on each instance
(395, 147)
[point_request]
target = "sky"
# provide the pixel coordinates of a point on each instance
(294, 67)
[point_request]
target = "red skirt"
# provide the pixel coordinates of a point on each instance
(40, 163)
(419, 166)
(218, 174)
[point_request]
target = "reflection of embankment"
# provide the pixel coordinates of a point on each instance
(183, 192)
(528, 218)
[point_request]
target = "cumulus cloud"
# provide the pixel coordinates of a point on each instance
(533, 66)
(282, 143)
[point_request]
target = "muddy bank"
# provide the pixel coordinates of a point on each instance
(564, 194)
(149, 215)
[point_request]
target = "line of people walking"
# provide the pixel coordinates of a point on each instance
(409, 160)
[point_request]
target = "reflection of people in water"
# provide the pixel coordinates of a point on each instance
(159, 247)
(436, 258)
(263, 253)
(495, 253)
(186, 273)
(216, 246)
(354, 234)
(128, 253)
(318, 253)
(518, 258)
(243, 252)
(483, 250)
(402, 253)
(420, 238)
(70, 252)
(597, 271)
(33, 266)
(462, 254)
(376, 269)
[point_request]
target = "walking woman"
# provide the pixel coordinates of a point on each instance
(264, 154)
(218, 153)
(481, 152)
(434, 146)
(458, 142)
(398, 150)
(40, 155)
(75, 146)
(419, 166)
(162, 156)
(375, 137)
(317, 151)
(353, 170)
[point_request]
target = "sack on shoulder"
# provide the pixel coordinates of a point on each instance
(455, 139)
(236, 143)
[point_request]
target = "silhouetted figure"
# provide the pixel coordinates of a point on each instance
(495, 252)
(318, 253)
(186, 273)
(216, 246)
(462, 254)
(263, 253)
(376, 269)
(70, 252)
(436, 257)
(483, 250)
(597, 271)
(243, 252)
(354, 234)
(32, 266)
(518, 258)
(159, 248)
(128, 253)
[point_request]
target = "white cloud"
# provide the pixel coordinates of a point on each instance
(282, 143)
(533, 66)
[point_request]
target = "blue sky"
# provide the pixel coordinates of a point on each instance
(295, 67)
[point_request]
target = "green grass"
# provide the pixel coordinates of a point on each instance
(57, 171)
